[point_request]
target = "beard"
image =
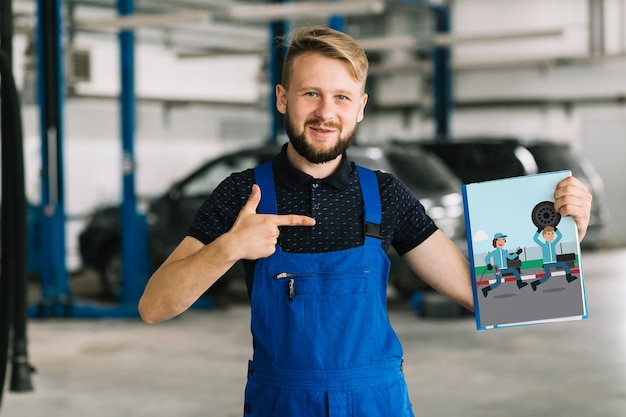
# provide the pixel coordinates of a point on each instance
(305, 148)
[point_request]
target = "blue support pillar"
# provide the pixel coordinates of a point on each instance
(277, 50)
(442, 76)
(337, 22)
(56, 298)
(134, 231)
(441, 57)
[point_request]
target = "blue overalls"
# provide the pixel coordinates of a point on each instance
(323, 344)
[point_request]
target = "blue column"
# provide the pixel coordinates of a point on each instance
(56, 297)
(337, 22)
(277, 29)
(134, 254)
(442, 76)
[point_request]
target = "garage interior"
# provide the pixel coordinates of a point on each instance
(119, 99)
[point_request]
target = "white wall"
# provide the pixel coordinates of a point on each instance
(598, 130)
(161, 74)
(603, 135)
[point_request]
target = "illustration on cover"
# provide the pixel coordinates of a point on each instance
(525, 257)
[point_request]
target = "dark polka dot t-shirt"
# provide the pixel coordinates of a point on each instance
(335, 203)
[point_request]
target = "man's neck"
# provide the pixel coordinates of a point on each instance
(318, 171)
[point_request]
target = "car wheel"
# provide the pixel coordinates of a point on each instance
(111, 275)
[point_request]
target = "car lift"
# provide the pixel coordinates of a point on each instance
(56, 298)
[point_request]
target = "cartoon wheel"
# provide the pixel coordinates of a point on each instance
(544, 215)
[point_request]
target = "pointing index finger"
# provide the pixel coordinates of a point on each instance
(293, 220)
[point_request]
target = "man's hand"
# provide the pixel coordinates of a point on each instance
(572, 198)
(255, 234)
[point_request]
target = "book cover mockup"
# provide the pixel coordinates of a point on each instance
(524, 257)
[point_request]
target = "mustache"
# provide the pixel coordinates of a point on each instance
(321, 124)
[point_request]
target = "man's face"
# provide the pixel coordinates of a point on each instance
(323, 104)
(548, 236)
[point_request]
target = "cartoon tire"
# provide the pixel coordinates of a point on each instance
(544, 215)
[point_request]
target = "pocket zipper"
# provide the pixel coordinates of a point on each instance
(291, 284)
(291, 289)
(284, 275)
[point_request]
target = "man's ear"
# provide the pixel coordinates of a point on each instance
(362, 104)
(281, 99)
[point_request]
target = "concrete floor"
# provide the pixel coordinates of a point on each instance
(195, 365)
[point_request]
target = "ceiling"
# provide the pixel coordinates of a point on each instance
(194, 27)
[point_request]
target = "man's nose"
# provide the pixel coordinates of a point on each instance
(326, 109)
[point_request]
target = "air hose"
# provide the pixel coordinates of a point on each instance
(13, 244)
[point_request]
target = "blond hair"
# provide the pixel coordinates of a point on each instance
(329, 43)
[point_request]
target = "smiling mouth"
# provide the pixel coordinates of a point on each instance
(324, 130)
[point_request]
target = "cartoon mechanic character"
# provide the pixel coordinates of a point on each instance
(552, 236)
(498, 259)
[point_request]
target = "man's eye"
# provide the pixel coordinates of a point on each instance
(342, 97)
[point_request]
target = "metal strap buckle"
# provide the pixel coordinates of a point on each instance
(373, 230)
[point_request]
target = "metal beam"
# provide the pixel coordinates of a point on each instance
(285, 11)
(385, 43)
(128, 22)
(535, 61)
(221, 51)
(452, 39)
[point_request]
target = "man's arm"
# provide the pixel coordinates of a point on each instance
(192, 267)
(441, 265)
(184, 276)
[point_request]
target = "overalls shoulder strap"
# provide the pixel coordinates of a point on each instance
(264, 177)
(371, 205)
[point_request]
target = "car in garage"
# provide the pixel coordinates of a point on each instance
(169, 214)
(481, 158)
